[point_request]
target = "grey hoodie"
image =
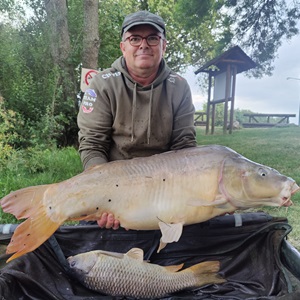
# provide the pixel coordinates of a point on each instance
(120, 119)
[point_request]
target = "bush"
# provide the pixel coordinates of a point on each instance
(10, 138)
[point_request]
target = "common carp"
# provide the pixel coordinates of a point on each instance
(164, 191)
(127, 274)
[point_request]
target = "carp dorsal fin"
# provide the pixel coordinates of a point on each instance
(173, 268)
(136, 253)
(170, 233)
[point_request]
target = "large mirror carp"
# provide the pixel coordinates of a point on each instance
(163, 191)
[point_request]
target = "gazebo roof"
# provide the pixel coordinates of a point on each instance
(234, 55)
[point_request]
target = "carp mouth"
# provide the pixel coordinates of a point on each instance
(286, 201)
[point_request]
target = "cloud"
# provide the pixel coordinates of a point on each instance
(198, 101)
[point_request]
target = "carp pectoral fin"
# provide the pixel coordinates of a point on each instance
(161, 246)
(136, 253)
(91, 217)
(170, 233)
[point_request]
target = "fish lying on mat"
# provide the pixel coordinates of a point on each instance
(127, 274)
(163, 191)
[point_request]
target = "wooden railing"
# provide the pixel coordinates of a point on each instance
(199, 118)
(265, 120)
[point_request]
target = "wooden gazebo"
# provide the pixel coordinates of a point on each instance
(224, 69)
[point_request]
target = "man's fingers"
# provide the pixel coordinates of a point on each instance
(108, 221)
(103, 220)
(116, 224)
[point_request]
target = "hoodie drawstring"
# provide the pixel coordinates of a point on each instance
(133, 112)
(149, 118)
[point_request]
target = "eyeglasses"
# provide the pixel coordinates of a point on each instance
(137, 40)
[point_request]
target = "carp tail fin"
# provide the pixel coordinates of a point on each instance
(22, 203)
(30, 234)
(206, 273)
(27, 203)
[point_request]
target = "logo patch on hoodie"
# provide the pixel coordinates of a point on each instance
(88, 101)
(172, 78)
(111, 74)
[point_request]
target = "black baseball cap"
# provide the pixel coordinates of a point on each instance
(143, 17)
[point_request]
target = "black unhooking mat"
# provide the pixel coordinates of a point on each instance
(249, 246)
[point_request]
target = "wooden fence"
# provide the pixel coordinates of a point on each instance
(267, 120)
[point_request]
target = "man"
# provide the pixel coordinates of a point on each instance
(138, 107)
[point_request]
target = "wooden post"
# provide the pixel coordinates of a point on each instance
(208, 103)
(213, 116)
(232, 98)
(227, 95)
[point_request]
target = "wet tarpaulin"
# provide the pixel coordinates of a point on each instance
(249, 247)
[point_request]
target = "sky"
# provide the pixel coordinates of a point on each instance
(270, 94)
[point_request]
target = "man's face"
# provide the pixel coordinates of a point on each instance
(140, 58)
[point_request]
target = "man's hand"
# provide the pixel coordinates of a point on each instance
(108, 221)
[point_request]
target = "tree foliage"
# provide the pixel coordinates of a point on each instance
(262, 26)
(258, 26)
(42, 91)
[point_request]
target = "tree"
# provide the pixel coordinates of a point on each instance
(60, 45)
(261, 26)
(257, 26)
(205, 32)
(56, 15)
(91, 41)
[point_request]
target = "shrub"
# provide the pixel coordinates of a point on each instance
(10, 138)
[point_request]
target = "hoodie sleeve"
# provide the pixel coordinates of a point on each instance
(184, 133)
(95, 126)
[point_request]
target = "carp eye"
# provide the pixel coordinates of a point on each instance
(262, 172)
(73, 264)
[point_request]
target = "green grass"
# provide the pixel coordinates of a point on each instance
(36, 167)
(275, 147)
